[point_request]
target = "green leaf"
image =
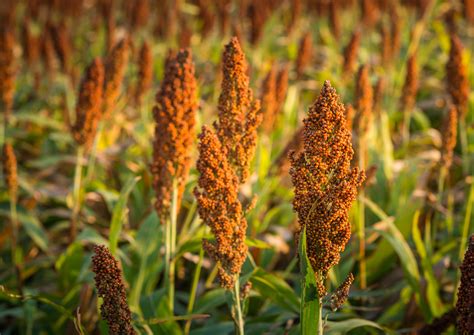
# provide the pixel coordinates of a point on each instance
(34, 229)
(275, 289)
(119, 214)
(256, 243)
(342, 327)
(310, 308)
(69, 266)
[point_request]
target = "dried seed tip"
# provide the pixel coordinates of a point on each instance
(465, 303)
(220, 209)
(115, 67)
(174, 114)
(305, 52)
(7, 70)
(145, 72)
(268, 99)
(10, 169)
(238, 112)
(341, 294)
(449, 137)
(111, 288)
(410, 87)
(89, 104)
(439, 325)
(350, 53)
(363, 100)
(324, 183)
(457, 80)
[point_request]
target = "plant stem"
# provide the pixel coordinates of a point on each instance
(192, 295)
(464, 146)
(238, 318)
(172, 244)
(467, 220)
(77, 193)
(361, 219)
(14, 222)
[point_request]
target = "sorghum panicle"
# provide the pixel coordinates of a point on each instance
(350, 113)
(89, 104)
(465, 303)
(111, 288)
(379, 90)
(334, 19)
(324, 183)
(62, 44)
(341, 294)
(395, 30)
(410, 87)
(468, 10)
(363, 100)
(238, 112)
(139, 14)
(370, 12)
(386, 44)
(449, 137)
(47, 50)
(145, 72)
(350, 53)
(268, 100)
(456, 73)
(305, 52)
(219, 208)
(115, 66)
(281, 86)
(7, 70)
(10, 169)
(31, 45)
(174, 114)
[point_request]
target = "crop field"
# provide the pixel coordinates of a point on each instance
(204, 167)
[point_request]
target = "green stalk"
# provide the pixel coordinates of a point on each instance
(238, 318)
(361, 221)
(172, 244)
(93, 154)
(192, 295)
(16, 262)
(77, 188)
(464, 146)
(466, 224)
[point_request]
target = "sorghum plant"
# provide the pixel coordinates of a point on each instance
(465, 303)
(325, 187)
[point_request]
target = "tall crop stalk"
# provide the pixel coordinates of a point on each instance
(237, 309)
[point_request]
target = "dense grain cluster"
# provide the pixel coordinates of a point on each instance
(449, 137)
(89, 104)
(324, 184)
(465, 303)
(341, 294)
(350, 54)
(363, 100)
(268, 99)
(305, 52)
(111, 288)
(457, 81)
(410, 87)
(115, 66)
(174, 114)
(7, 70)
(239, 113)
(220, 209)
(145, 72)
(10, 169)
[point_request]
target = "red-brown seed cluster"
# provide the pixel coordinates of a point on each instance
(350, 113)
(174, 114)
(456, 72)
(89, 104)
(239, 113)
(334, 19)
(7, 70)
(410, 87)
(111, 288)
(465, 303)
(363, 100)
(268, 99)
(449, 137)
(10, 169)
(350, 54)
(115, 66)
(305, 53)
(341, 294)
(145, 72)
(220, 208)
(324, 183)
